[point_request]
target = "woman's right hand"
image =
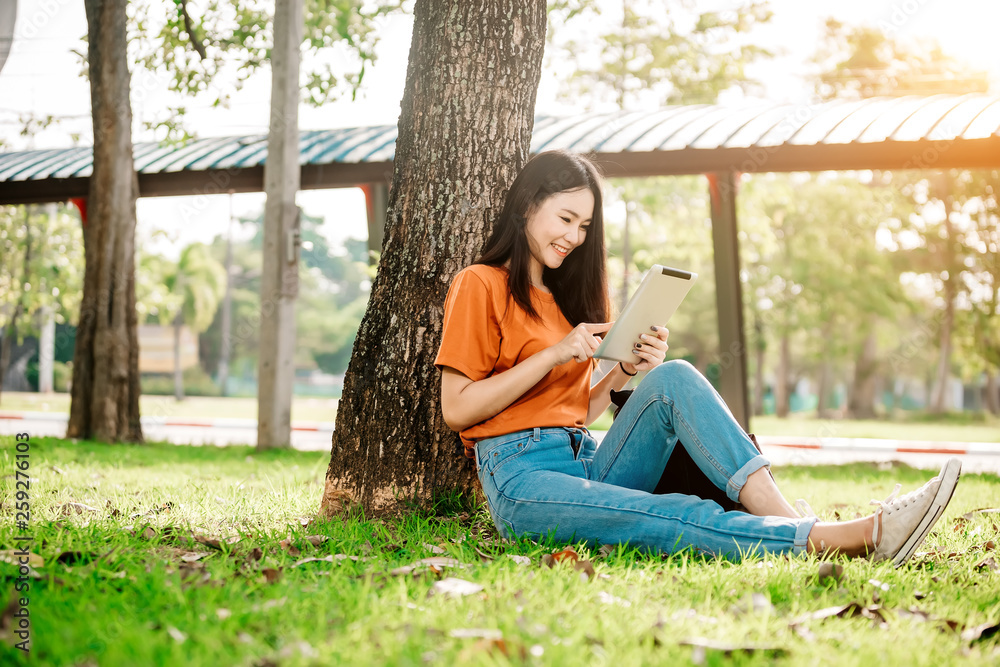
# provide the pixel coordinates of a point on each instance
(580, 344)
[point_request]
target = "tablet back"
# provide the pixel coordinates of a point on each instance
(659, 294)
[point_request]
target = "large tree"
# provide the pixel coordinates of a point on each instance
(464, 131)
(105, 398)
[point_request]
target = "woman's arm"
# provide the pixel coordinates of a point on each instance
(465, 402)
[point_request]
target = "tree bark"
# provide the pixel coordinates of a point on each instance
(992, 398)
(782, 403)
(760, 347)
(178, 371)
(464, 132)
(862, 397)
(105, 398)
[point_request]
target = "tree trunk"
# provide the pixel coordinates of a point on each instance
(178, 371)
(105, 398)
(464, 132)
(760, 347)
(825, 375)
(782, 403)
(227, 307)
(940, 395)
(862, 397)
(992, 396)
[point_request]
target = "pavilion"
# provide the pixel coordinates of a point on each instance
(935, 132)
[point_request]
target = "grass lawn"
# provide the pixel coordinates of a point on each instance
(201, 556)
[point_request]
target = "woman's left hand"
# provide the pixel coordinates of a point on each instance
(650, 350)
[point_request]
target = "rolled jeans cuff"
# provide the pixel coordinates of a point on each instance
(802, 534)
(737, 481)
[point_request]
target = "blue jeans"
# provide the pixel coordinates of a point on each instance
(557, 482)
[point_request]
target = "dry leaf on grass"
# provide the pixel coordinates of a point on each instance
(520, 560)
(433, 564)
(454, 587)
(434, 549)
(289, 548)
(989, 563)
(981, 632)
(67, 509)
(700, 648)
(271, 575)
(316, 540)
(13, 557)
(850, 610)
(968, 516)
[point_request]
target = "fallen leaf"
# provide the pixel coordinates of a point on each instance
(454, 587)
(700, 648)
(325, 559)
(606, 550)
(291, 549)
(316, 540)
(850, 610)
(271, 575)
(988, 563)
(434, 549)
(968, 516)
(567, 554)
(520, 560)
(980, 632)
(829, 573)
(13, 557)
(178, 636)
(485, 557)
(75, 508)
(193, 556)
(585, 568)
(210, 541)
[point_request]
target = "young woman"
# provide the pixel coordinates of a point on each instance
(520, 329)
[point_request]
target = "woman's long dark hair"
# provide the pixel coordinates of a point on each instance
(580, 284)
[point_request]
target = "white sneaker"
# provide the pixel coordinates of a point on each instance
(907, 520)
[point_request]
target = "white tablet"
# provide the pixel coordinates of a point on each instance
(659, 294)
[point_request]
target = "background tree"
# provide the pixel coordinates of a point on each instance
(41, 271)
(464, 131)
(197, 282)
(208, 50)
(105, 395)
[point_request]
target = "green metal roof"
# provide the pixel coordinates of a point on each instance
(871, 133)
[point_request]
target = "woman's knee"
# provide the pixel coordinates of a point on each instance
(675, 373)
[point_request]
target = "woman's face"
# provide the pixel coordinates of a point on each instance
(557, 226)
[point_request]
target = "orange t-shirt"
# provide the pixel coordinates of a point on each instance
(486, 333)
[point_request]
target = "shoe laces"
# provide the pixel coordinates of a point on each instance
(803, 508)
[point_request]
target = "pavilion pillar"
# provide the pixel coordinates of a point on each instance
(376, 201)
(728, 296)
(279, 281)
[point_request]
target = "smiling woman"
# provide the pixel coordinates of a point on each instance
(520, 329)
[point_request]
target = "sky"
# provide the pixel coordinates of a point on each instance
(42, 76)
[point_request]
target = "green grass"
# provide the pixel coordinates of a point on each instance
(194, 407)
(128, 597)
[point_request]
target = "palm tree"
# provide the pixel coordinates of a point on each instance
(198, 282)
